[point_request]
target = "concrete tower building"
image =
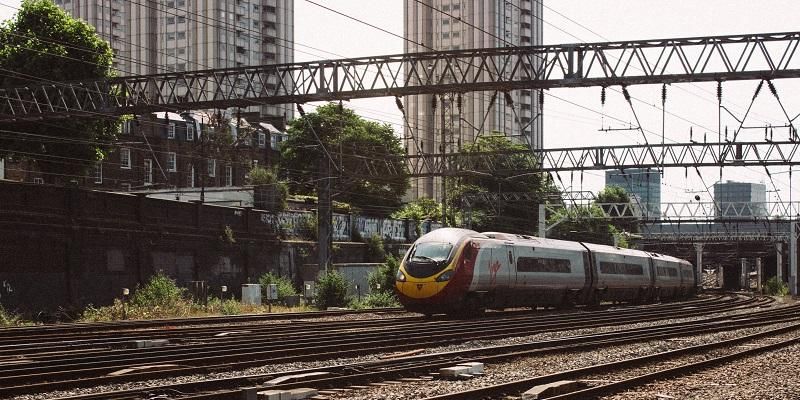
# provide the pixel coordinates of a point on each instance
(468, 24)
(158, 36)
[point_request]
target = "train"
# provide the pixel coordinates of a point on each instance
(464, 272)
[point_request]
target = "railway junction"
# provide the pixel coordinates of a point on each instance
(608, 351)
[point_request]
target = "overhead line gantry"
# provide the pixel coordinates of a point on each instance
(710, 58)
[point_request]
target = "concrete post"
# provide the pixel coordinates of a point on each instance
(743, 281)
(542, 221)
(779, 261)
(699, 260)
(759, 275)
(721, 276)
(793, 258)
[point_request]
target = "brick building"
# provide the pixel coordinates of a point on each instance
(168, 150)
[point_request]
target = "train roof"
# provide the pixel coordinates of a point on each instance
(449, 235)
(535, 241)
(602, 248)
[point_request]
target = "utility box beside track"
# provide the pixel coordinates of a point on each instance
(251, 294)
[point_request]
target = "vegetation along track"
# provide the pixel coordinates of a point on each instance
(344, 375)
(36, 373)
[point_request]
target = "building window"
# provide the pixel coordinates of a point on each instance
(172, 162)
(262, 140)
(212, 168)
(125, 158)
(190, 176)
(126, 127)
(98, 173)
(38, 181)
(228, 175)
(171, 131)
(189, 132)
(148, 172)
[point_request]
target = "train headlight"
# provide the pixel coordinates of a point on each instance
(445, 276)
(401, 277)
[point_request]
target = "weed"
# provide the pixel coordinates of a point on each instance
(774, 287)
(331, 291)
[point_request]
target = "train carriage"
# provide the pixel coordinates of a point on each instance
(454, 270)
(668, 276)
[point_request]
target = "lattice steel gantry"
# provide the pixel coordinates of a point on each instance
(712, 58)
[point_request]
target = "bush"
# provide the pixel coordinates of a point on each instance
(308, 228)
(383, 278)
(774, 287)
(285, 286)
(331, 290)
(159, 292)
(159, 298)
(376, 300)
(8, 318)
(375, 250)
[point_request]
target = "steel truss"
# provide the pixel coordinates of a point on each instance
(712, 58)
(687, 155)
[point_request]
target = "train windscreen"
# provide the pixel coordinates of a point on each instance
(428, 258)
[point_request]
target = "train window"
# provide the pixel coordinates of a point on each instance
(534, 264)
(617, 268)
(667, 271)
(687, 273)
(431, 251)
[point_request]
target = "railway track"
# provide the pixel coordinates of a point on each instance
(55, 330)
(32, 341)
(659, 366)
(412, 367)
(85, 368)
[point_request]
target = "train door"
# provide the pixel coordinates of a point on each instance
(492, 268)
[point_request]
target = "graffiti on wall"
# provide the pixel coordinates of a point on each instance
(296, 223)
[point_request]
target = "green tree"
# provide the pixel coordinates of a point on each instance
(498, 175)
(42, 44)
(372, 175)
(420, 209)
(269, 192)
(626, 219)
(591, 223)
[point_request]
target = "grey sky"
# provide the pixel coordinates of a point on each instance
(693, 105)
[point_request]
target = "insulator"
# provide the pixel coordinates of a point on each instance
(719, 91)
(300, 110)
(433, 104)
(399, 104)
(758, 89)
(458, 100)
(626, 94)
(772, 89)
(664, 93)
(541, 97)
(603, 96)
(509, 100)
(492, 100)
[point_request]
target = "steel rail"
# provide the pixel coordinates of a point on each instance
(34, 342)
(345, 375)
(60, 373)
(24, 331)
(524, 384)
